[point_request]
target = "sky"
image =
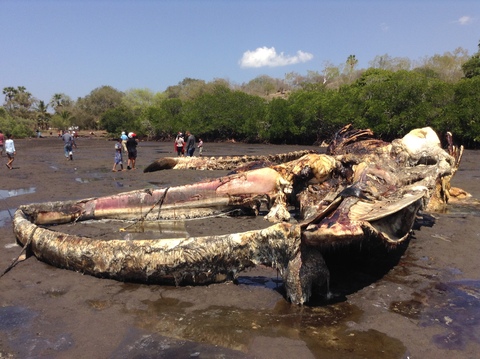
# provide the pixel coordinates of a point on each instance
(73, 47)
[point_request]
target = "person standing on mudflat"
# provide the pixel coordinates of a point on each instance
(132, 151)
(118, 160)
(10, 150)
(190, 145)
(124, 138)
(179, 144)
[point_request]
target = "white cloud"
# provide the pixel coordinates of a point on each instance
(465, 20)
(264, 56)
(384, 27)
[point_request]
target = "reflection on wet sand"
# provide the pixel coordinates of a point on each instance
(326, 331)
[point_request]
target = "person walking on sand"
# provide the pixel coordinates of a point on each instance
(68, 144)
(190, 144)
(132, 151)
(2, 143)
(200, 147)
(118, 156)
(10, 150)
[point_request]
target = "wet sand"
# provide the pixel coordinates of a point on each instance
(422, 301)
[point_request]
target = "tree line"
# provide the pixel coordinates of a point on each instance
(391, 97)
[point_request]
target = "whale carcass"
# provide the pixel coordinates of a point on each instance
(362, 190)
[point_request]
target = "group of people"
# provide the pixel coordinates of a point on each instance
(187, 147)
(7, 146)
(128, 145)
(125, 143)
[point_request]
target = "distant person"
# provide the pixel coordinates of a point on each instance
(124, 139)
(118, 156)
(68, 144)
(175, 142)
(2, 143)
(179, 144)
(200, 147)
(132, 151)
(10, 150)
(190, 145)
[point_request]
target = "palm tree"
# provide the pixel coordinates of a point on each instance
(9, 93)
(352, 62)
(60, 101)
(43, 116)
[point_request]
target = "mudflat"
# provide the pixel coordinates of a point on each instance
(423, 301)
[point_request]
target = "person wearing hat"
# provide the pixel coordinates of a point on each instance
(132, 150)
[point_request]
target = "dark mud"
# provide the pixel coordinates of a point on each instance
(422, 301)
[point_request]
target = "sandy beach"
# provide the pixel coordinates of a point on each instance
(423, 303)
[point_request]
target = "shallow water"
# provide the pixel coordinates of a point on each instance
(453, 306)
(468, 208)
(15, 192)
(327, 331)
(6, 216)
(16, 324)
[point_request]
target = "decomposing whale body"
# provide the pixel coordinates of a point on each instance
(361, 190)
(222, 163)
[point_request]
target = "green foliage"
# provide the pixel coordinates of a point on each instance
(19, 102)
(155, 122)
(18, 127)
(393, 103)
(222, 114)
(471, 68)
(119, 119)
(280, 126)
(390, 98)
(188, 89)
(91, 108)
(447, 67)
(262, 86)
(59, 122)
(308, 110)
(463, 117)
(43, 116)
(61, 102)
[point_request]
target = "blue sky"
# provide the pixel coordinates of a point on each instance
(73, 47)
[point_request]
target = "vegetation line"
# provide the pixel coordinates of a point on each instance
(391, 97)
